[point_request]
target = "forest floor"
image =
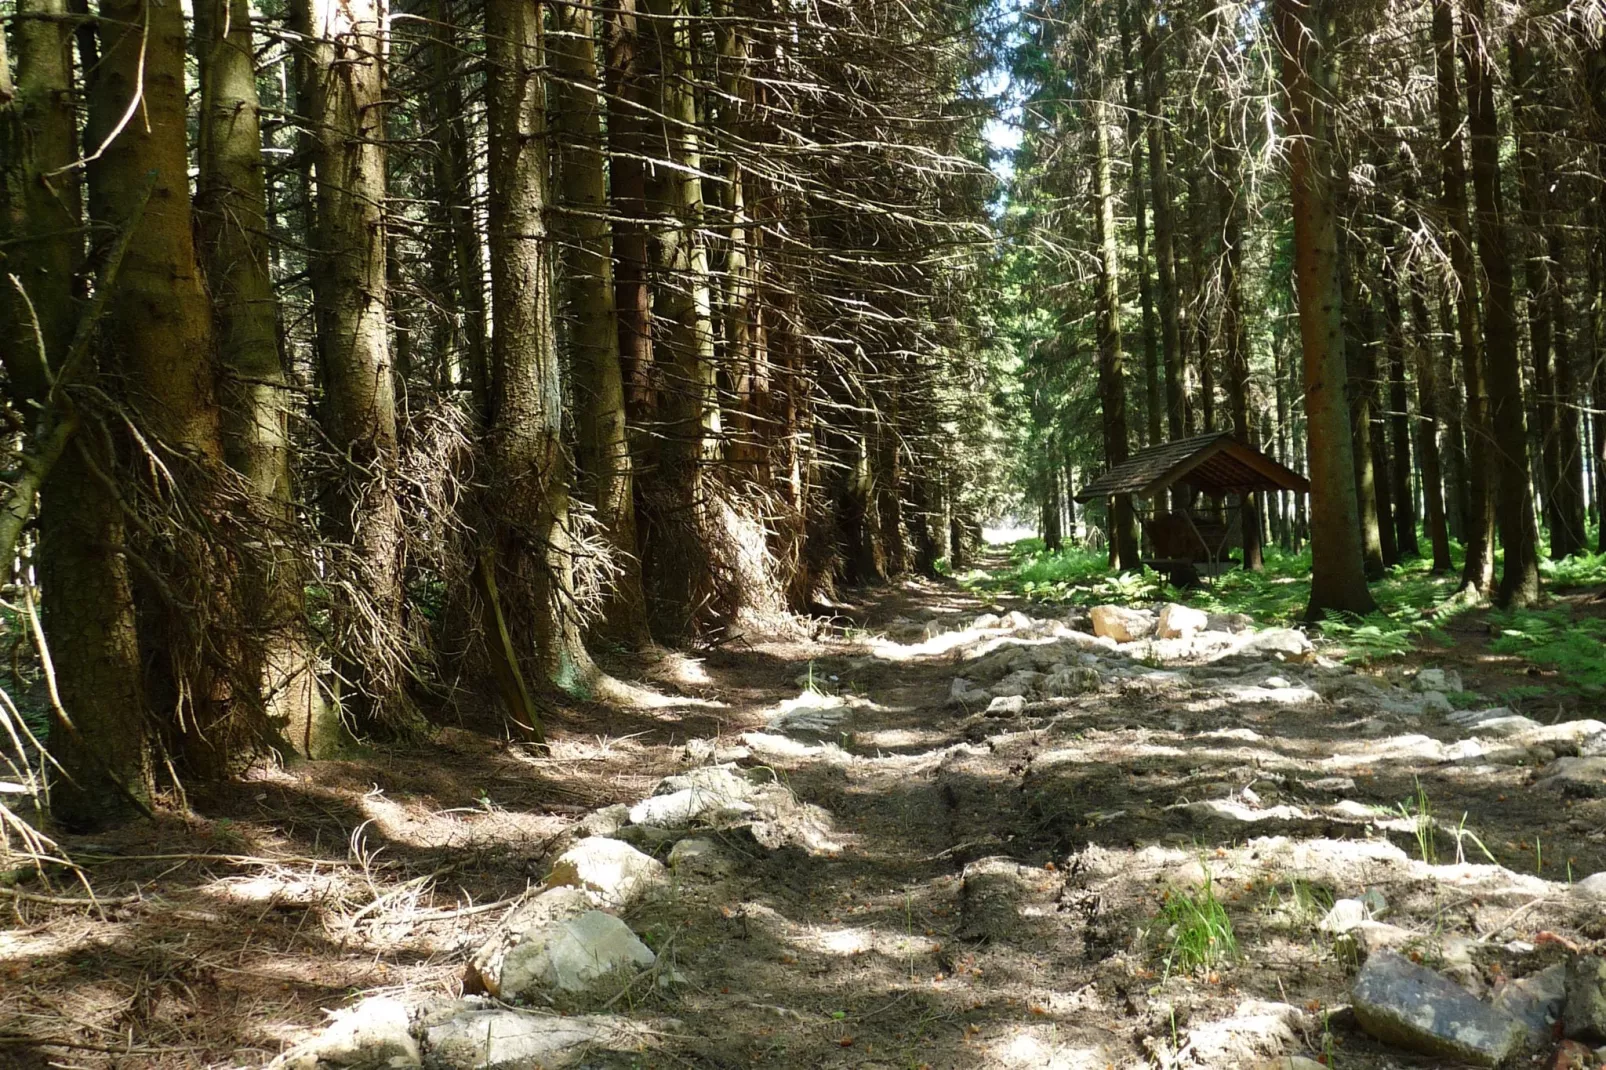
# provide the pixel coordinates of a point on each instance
(981, 891)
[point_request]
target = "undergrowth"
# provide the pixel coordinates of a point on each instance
(1200, 930)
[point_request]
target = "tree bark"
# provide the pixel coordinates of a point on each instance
(1477, 572)
(1338, 581)
(1235, 346)
(602, 448)
(102, 743)
(679, 569)
(528, 470)
(343, 94)
(1519, 579)
(1165, 257)
(1426, 364)
(232, 227)
(1134, 139)
(1112, 384)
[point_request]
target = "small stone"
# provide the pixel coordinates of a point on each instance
(1180, 622)
(1121, 624)
(1437, 680)
(1434, 702)
(1377, 905)
(1007, 706)
(573, 956)
(711, 795)
(1592, 888)
(1344, 916)
(1016, 621)
(1338, 785)
(1536, 1001)
(1401, 1003)
(615, 872)
(1290, 1062)
(985, 623)
(1070, 681)
(819, 723)
(604, 822)
(1231, 623)
(1584, 1017)
(698, 857)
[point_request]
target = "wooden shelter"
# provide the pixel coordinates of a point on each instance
(1217, 466)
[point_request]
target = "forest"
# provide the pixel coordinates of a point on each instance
(507, 508)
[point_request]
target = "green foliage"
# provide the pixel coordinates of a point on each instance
(1200, 930)
(1556, 638)
(1580, 570)
(1419, 811)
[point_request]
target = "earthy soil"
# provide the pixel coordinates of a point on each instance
(992, 899)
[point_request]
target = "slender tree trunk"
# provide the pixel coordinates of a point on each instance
(1235, 346)
(1426, 365)
(1477, 573)
(678, 564)
(1165, 257)
(1360, 361)
(602, 450)
(1400, 495)
(231, 212)
(1112, 385)
(1338, 580)
(343, 97)
(461, 274)
(1519, 580)
(102, 745)
(1134, 140)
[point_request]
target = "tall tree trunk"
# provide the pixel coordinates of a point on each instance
(1165, 257)
(343, 82)
(1235, 346)
(158, 335)
(1477, 572)
(1134, 140)
(231, 213)
(460, 271)
(1426, 364)
(602, 449)
(530, 534)
(102, 743)
(1569, 535)
(1338, 580)
(1360, 361)
(679, 570)
(1112, 384)
(1519, 580)
(1400, 495)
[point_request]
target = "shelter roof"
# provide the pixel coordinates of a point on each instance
(1215, 464)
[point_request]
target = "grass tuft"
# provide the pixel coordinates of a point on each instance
(1200, 930)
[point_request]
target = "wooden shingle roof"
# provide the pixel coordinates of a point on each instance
(1214, 464)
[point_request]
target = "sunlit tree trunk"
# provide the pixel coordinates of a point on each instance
(343, 86)
(529, 511)
(1153, 404)
(1338, 581)
(1165, 258)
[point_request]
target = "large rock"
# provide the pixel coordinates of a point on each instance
(1283, 644)
(1006, 706)
(1536, 1001)
(469, 1035)
(1122, 624)
(373, 1035)
(573, 957)
(1071, 680)
(1580, 777)
(1437, 680)
(1401, 1003)
(1257, 1027)
(1584, 1017)
(813, 717)
(1180, 622)
(614, 872)
(711, 795)
(484, 971)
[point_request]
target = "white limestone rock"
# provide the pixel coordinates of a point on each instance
(372, 1035)
(573, 957)
(1180, 622)
(614, 872)
(1122, 624)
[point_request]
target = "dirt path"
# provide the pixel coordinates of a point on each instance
(979, 891)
